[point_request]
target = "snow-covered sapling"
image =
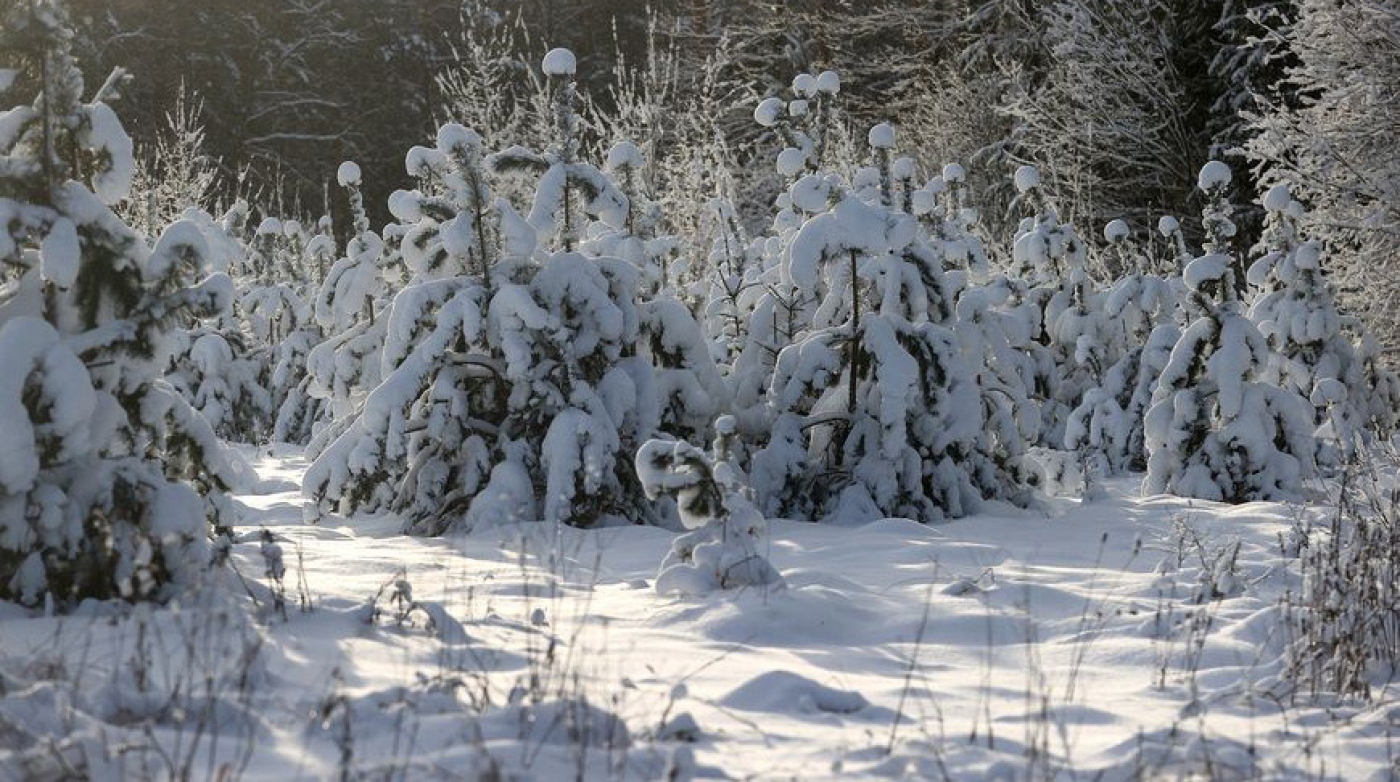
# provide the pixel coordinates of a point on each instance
(723, 549)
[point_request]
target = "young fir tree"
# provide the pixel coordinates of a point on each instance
(1313, 354)
(772, 305)
(520, 373)
(298, 412)
(108, 479)
(875, 412)
(1216, 429)
(1055, 297)
(1107, 425)
(723, 548)
(345, 367)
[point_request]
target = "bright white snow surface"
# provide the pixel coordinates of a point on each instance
(1016, 644)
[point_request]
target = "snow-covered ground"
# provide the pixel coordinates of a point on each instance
(1015, 645)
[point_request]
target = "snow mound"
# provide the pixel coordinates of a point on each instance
(784, 691)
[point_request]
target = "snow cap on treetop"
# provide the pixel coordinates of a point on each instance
(1213, 174)
(767, 111)
(798, 108)
(829, 82)
(456, 136)
(270, 225)
(1207, 268)
(953, 173)
(805, 85)
(624, 154)
(791, 161)
(881, 136)
(404, 206)
(348, 175)
(559, 62)
(1027, 177)
(1278, 198)
(903, 168)
(1168, 225)
(1306, 256)
(1116, 231)
(291, 228)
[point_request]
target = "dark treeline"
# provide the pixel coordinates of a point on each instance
(1118, 103)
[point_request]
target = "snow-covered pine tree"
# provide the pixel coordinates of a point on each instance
(1107, 426)
(108, 479)
(1313, 354)
(1216, 429)
(723, 550)
(1331, 134)
(518, 371)
(344, 368)
(875, 411)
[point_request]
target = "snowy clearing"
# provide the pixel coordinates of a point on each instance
(1017, 645)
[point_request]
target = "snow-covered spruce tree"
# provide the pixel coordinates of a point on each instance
(942, 206)
(108, 479)
(422, 440)
(513, 373)
(1216, 430)
(639, 239)
(1071, 344)
(875, 413)
(1107, 426)
(735, 268)
(771, 303)
(1312, 352)
(723, 550)
(689, 388)
(1331, 135)
(344, 368)
(298, 411)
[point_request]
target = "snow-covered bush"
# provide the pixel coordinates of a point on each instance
(1216, 429)
(108, 478)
